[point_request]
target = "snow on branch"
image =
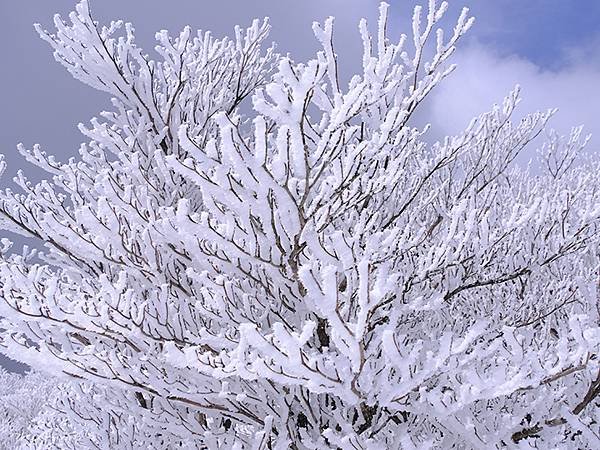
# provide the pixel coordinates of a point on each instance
(251, 254)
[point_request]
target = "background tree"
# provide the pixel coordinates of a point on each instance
(22, 398)
(309, 272)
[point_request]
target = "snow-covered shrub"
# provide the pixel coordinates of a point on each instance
(251, 254)
(22, 398)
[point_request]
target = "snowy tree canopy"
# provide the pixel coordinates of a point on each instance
(251, 254)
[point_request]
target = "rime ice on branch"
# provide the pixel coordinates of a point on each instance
(312, 274)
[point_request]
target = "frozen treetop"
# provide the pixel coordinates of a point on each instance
(250, 254)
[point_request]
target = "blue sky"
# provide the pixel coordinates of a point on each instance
(555, 41)
(539, 30)
(550, 47)
(543, 44)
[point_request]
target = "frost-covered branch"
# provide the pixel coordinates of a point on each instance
(250, 254)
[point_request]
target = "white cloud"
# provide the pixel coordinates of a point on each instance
(484, 77)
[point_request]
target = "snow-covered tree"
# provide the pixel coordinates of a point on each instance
(251, 254)
(22, 398)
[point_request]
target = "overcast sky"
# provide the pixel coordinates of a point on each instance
(550, 47)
